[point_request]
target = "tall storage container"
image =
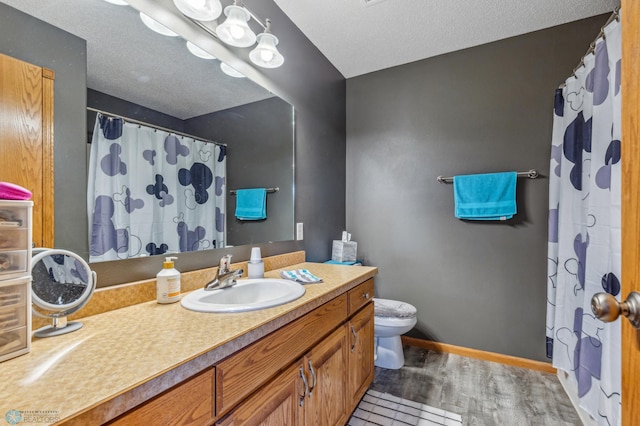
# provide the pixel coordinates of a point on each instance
(15, 278)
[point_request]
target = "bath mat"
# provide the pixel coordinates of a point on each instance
(383, 409)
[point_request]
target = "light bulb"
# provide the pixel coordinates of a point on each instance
(236, 32)
(266, 55)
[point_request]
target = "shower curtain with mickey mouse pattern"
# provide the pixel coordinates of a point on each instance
(151, 192)
(584, 228)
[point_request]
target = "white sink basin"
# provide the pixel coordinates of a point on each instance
(246, 295)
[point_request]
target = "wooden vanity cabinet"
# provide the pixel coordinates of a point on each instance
(312, 371)
(278, 403)
(188, 403)
(338, 369)
(309, 392)
(326, 364)
(361, 368)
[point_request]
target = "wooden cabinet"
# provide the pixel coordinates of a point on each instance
(245, 371)
(312, 391)
(312, 371)
(26, 138)
(360, 296)
(361, 368)
(279, 403)
(328, 380)
(326, 366)
(188, 403)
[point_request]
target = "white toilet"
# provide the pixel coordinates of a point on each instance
(391, 319)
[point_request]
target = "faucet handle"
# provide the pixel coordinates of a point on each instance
(225, 261)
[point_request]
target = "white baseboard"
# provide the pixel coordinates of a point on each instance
(572, 392)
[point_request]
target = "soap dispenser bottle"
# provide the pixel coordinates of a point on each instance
(256, 265)
(168, 282)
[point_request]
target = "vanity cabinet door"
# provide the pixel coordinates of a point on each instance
(279, 403)
(26, 138)
(326, 367)
(361, 368)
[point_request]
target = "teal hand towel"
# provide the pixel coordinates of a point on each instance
(303, 276)
(489, 196)
(251, 204)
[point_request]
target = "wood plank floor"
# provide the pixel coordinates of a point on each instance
(482, 392)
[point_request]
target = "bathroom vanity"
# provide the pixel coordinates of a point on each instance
(307, 361)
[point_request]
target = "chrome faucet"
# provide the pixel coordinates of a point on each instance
(224, 276)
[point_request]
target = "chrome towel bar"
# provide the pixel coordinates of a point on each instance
(531, 174)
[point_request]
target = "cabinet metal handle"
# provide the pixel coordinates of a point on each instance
(607, 308)
(365, 295)
(355, 338)
(306, 386)
(313, 376)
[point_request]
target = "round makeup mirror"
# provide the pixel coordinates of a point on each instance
(62, 284)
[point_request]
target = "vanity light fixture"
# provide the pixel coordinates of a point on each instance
(200, 53)
(231, 72)
(200, 10)
(266, 53)
(156, 26)
(235, 29)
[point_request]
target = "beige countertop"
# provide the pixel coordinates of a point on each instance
(121, 358)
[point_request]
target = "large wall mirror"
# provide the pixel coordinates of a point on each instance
(136, 73)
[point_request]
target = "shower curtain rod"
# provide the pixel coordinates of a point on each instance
(592, 47)
(531, 174)
(153, 126)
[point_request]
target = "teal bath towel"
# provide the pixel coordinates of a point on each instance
(251, 204)
(489, 196)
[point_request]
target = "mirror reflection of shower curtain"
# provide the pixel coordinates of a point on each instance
(584, 229)
(152, 192)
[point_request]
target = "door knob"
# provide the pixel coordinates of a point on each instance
(607, 308)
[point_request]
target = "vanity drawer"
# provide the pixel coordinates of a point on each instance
(13, 317)
(360, 295)
(13, 263)
(190, 402)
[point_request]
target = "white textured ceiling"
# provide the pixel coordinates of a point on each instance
(127, 60)
(359, 39)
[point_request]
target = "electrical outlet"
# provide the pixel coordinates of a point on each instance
(299, 231)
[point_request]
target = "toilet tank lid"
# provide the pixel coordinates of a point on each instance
(393, 309)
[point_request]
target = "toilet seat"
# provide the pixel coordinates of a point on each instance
(395, 322)
(393, 309)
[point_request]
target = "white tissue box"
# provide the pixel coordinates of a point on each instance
(344, 251)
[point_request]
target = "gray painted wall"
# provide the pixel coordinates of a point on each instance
(259, 154)
(484, 109)
(34, 41)
(307, 81)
